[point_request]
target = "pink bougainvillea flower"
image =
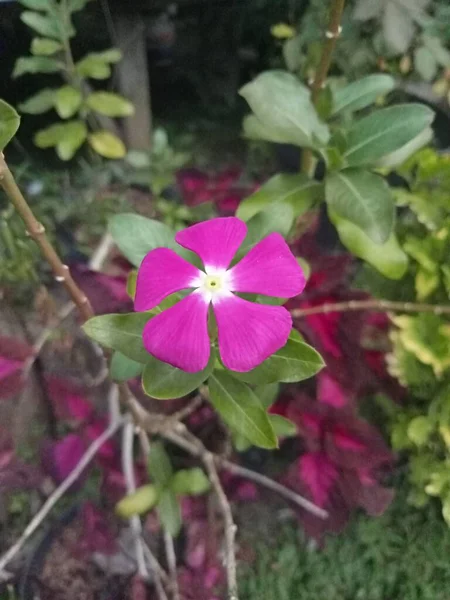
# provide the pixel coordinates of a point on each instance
(248, 333)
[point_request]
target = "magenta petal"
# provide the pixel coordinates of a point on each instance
(269, 268)
(215, 241)
(162, 272)
(248, 333)
(179, 335)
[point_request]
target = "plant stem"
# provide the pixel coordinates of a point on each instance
(37, 232)
(372, 304)
(332, 34)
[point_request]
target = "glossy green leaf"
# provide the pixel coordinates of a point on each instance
(387, 258)
(131, 283)
(159, 465)
(296, 190)
(241, 410)
(267, 394)
(112, 105)
(9, 123)
(107, 144)
(40, 103)
(123, 368)
(296, 361)
(425, 63)
(361, 93)
(284, 111)
(122, 332)
(93, 67)
(402, 154)
(138, 503)
(45, 46)
(67, 101)
(190, 482)
(169, 512)
(135, 236)
(364, 199)
(47, 26)
(164, 382)
(385, 131)
(278, 217)
(36, 64)
(283, 427)
(76, 5)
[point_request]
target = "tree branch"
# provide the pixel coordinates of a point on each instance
(172, 564)
(372, 304)
(37, 232)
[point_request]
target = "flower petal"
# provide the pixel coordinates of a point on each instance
(269, 268)
(216, 241)
(248, 333)
(162, 272)
(179, 335)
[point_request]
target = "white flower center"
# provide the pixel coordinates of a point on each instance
(213, 284)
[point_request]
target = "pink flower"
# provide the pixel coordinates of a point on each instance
(248, 333)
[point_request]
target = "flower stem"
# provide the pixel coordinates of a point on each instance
(332, 34)
(36, 231)
(372, 304)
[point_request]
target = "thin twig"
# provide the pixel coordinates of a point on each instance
(372, 304)
(130, 482)
(229, 524)
(172, 564)
(59, 492)
(331, 36)
(37, 232)
(160, 575)
(222, 463)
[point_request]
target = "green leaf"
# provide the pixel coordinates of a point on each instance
(138, 503)
(68, 101)
(278, 217)
(76, 5)
(296, 190)
(385, 131)
(40, 103)
(284, 111)
(107, 144)
(112, 105)
(135, 235)
(190, 482)
(164, 382)
(296, 361)
(159, 465)
(131, 283)
(74, 134)
(364, 199)
(387, 258)
(45, 46)
(122, 332)
(419, 430)
(36, 4)
(402, 154)
(169, 512)
(361, 93)
(123, 368)
(9, 123)
(45, 25)
(96, 65)
(283, 427)
(267, 394)
(36, 64)
(425, 63)
(241, 410)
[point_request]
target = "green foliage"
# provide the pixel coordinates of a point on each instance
(9, 123)
(51, 53)
(123, 368)
(398, 556)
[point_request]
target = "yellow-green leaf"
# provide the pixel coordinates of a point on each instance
(107, 144)
(68, 101)
(45, 46)
(9, 123)
(112, 105)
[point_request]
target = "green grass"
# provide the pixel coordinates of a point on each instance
(403, 555)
